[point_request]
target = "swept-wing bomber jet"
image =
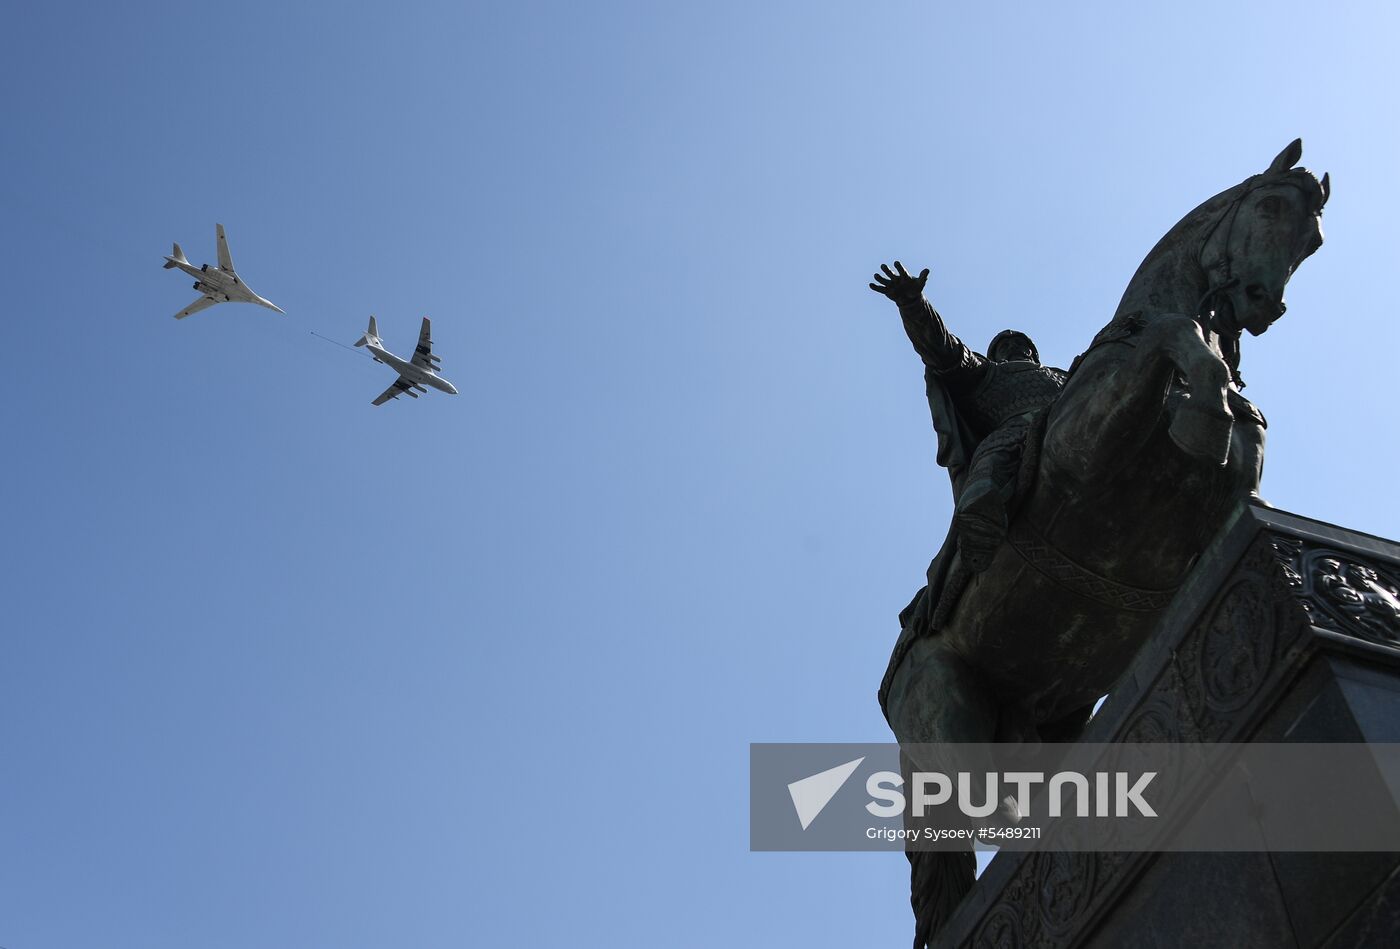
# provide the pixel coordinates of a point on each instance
(414, 374)
(218, 284)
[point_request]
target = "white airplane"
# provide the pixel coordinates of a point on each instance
(414, 374)
(220, 285)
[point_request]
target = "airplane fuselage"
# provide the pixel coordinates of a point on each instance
(409, 371)
(213, 282)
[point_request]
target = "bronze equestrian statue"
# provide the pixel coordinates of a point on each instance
(1084, 498)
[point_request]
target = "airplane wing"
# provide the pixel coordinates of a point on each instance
(400, 386)
(423, 356)
(203, 303)
(225, 261)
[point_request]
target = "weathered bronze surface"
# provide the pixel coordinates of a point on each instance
(1084, 498)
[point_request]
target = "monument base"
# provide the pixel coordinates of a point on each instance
(1288, 630)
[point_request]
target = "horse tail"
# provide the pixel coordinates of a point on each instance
(937, 884)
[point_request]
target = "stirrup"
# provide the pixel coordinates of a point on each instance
(979, 536)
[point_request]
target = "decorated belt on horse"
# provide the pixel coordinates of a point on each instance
(1064, 572)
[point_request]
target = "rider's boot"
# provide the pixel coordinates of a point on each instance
(981, 523)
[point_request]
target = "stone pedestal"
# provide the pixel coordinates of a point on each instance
(1288, 630)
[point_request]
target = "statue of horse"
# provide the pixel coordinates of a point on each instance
(1144, 455)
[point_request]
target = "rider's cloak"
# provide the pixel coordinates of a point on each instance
(956, 443)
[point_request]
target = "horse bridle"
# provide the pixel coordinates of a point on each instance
(1207, 319)
(1230, 281)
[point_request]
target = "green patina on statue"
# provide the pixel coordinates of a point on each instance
(1083, 498)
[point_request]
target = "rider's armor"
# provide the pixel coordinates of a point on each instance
(1006, 390)
(995, 402)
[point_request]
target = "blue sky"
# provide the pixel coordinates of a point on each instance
(284, 669)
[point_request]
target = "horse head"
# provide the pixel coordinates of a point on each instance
(1271, 224)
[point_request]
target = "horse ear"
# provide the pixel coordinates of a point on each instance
(1287, 158)
(1326, 187)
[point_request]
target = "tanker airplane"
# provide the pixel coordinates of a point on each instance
(414, 374)
(220, 284)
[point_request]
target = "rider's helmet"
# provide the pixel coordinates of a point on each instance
(1006, 336)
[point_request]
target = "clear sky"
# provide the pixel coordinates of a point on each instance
(283, 669)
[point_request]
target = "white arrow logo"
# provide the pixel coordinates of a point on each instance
(811, 795)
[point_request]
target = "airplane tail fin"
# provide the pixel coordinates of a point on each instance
(178, 257)
(371, 334)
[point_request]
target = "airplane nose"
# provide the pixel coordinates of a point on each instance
(451, 388)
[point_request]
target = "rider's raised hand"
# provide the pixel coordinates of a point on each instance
(898, 285)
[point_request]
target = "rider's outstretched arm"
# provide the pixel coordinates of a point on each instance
(940, 350)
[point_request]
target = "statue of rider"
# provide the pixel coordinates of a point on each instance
(982, 407)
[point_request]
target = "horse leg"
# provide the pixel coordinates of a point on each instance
(1247, 445)
(1202, 424)
(937, 697)
(1117, 398)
